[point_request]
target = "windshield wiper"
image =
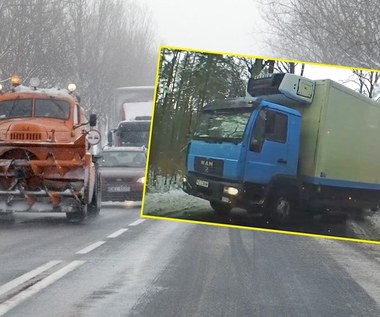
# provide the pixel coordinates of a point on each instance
(218, 140)
(14, 103)
(59, 107)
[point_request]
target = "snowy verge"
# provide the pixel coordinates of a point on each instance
(171, 201)
(175, 200)
(374, 219)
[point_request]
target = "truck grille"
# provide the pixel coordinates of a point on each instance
(208, 166)
(26, 136)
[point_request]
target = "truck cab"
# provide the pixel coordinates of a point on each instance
(238, 148)
(131, 133)
(243, 147)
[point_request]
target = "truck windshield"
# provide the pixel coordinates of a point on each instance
(18, 108)
(222, 125)
(134, 133)
(52, 108)
(15, 108)
(123, 158)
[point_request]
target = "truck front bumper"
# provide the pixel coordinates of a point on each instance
(213, 190)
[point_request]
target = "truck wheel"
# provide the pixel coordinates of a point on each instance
(281, 207)
(94, 206)
(220, 208)
(77, 216)
(7, 218)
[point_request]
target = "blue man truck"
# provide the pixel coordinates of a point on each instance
(293, 145)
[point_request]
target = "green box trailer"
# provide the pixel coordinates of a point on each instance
(340, 137)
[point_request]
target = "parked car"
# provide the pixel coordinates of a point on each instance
(122, 172)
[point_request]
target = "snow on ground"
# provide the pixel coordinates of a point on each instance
(127, 204)
(173, 200)
(375, 220)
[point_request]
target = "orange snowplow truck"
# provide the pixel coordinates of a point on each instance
(45, 163)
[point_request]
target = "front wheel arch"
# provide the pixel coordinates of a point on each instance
(220, 208)
(282, 205)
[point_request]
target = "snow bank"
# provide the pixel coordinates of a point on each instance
(375, 220)
(171, 201)
(175, 200)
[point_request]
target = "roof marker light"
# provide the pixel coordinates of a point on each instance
(15, 80)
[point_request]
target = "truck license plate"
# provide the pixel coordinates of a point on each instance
(202, 183)
(119, 189)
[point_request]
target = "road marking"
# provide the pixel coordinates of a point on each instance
(32, 290)
(137, 222)
(91, 247)
(117, 233)
(27, 276)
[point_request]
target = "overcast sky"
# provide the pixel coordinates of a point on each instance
(216, 25)
(226, 26)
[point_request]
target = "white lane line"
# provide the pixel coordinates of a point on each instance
(137, 222)
(91, 247)
(117, 233)
(32, 290)
(27, 276)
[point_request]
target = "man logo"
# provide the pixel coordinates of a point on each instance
(207, 163)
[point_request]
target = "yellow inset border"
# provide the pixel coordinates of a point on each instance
(142, 215)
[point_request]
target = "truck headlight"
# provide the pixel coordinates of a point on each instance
(141, 180)
(233, 191)
(184, 179)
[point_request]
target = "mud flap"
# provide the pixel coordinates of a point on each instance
(94, 206)
(77, 216)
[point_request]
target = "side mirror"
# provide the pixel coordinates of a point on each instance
(256, 145)
(93, 120)
(96, 157)
(109, 138)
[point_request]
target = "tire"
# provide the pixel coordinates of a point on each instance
(7, 218)
(94, 206)
(281, 207)
(77, 216)
(220, 208)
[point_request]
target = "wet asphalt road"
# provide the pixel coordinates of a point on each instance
(351, 226)
(119, 265)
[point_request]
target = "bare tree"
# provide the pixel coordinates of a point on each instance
(113, 47)
(366, 82)
(28, 31)
(98, 44)
(345, 32)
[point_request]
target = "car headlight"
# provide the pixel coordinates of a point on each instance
(231, 191)
(141, 180)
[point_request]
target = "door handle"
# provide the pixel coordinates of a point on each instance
(282, 161)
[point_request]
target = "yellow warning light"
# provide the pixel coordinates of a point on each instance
(15, 80)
